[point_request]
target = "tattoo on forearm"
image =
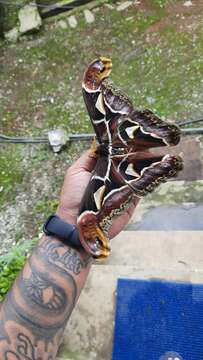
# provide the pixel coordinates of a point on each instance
(45, 293)
(50, 313)
(64, 257)
(40, 302)
(25, 350)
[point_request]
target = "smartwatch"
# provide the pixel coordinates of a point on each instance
(67, 233)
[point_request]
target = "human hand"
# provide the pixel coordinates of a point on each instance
(75, 183)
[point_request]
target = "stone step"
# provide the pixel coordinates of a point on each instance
(190, 149)
(175, 205)
(157, 250)
(171, 255)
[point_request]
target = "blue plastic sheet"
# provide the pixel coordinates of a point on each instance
(158, 320)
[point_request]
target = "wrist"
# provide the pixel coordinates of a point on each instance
(63, 231)
(66, 215)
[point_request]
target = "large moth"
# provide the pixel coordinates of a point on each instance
(125, 168)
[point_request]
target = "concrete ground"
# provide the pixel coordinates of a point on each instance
(172, 255)
(172, 217)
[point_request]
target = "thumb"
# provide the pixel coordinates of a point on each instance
(86, 162)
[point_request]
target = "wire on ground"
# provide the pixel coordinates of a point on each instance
(43, 6)
(74, 137)
(43, 139)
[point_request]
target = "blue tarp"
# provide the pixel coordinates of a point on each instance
(158, 320)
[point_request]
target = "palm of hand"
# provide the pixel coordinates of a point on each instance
(75, 183)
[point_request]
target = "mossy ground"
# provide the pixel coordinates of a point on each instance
(11, 264)
(157, 53)
(154, 61)
(9, 15)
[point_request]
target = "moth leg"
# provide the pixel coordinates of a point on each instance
(93, 147)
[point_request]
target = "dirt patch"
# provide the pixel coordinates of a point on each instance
(189, 23)
(182, 18)
(158, 26)
(178, 7)
(145, 6)
(37, 196)
(19, 216)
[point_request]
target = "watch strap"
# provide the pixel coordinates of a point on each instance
(68, 233)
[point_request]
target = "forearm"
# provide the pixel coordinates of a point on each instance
(36, 310)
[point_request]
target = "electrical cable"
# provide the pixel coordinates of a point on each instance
(187, 122)
(52, 10)
(74, 137)
(19, 140)
(192, 131)
(11, 3)
(57, 9)
(43, 139)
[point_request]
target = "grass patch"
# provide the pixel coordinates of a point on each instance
(44, 208)
(48, 67)
(12, 264)
(160, 3)
(11, 172)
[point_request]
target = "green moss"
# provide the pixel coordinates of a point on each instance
(1, 20)
(41, 77)
(175, 193)
(67, 354)
(44, 207)
(160, 3)
(9, 15)
(165, 75)
(11, 172)
(11, 265)
(161, 71)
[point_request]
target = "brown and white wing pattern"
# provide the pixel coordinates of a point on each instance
(142, 130)
(114, 184)
(125, 167)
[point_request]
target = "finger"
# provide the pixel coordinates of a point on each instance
(132, 207)
(118, 224)
(86, 162)
(79, 172)
(121, 221)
